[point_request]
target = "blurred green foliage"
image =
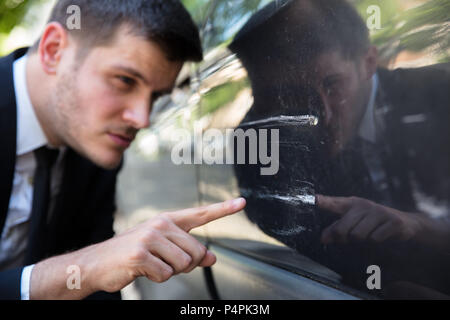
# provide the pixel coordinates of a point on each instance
(12, 14)
(221, 95)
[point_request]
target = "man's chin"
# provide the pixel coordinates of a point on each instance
(108, 164)
(101, 154)
(334, 151)
(108, 160)
(331, 147)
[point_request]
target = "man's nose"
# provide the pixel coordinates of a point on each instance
(138, 115)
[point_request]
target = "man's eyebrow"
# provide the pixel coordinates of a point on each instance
(133, 72)
(137, 74)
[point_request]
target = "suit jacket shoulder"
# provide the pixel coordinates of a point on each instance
(423, 89)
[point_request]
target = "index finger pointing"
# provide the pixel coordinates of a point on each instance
(339, 205)
(192, 218)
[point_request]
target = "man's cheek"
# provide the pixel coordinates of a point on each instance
(108, 104)
(102, 108)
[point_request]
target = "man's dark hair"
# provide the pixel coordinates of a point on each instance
(299, 30)
(165, 22)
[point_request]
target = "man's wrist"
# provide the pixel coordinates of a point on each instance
(69, 276)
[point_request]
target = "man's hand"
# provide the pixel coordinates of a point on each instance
(160, 247)
(361, 220)
(157, 249)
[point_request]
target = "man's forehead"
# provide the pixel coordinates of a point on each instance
(127, 44)
(327, 63)
(133, 53)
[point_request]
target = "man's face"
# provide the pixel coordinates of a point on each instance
(101, 104)
(344, 88)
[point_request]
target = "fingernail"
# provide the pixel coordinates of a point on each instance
(237, 203)
(211, 254)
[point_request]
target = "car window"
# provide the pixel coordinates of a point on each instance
(331, 119)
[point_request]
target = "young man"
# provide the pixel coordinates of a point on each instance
(86, 93)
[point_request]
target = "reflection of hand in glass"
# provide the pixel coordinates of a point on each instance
(361, 219)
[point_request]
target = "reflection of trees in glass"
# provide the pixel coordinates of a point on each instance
(423, 28)
(221, 95)
(221, 19)
(199, 9)
(210, 102)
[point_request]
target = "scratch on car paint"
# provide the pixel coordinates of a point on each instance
(304, 120)
(289, 232)
(301, 197)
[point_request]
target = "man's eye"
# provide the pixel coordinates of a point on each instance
(330, 86)
(127, 80)
(329, 83)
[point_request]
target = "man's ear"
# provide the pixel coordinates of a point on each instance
(370, 62)
(53, 41)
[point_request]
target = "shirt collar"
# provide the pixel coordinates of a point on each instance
(367, 129)
(30, 135)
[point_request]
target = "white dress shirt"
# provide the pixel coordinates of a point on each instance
(30, 136)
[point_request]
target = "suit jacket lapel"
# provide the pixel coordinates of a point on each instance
(8, 134)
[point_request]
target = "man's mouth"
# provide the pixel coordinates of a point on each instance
(121, 140)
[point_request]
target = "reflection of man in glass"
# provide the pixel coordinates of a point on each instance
(384, 139)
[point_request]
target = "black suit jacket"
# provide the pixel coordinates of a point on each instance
(83, 212)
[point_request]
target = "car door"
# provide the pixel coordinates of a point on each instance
(251, 264)
(273, 249)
